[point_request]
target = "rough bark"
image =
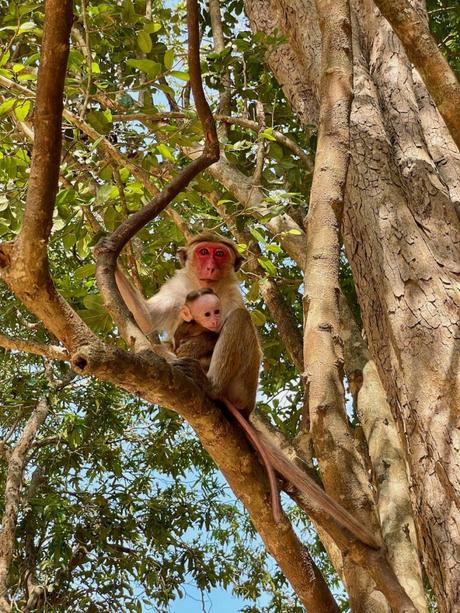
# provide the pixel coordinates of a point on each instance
(323, 356)
(401, 236)
(387, 460)
(422, 50)
(402, 239)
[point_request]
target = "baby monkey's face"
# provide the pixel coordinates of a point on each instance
(205, 310)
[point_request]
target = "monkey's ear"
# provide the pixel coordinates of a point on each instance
(185, 313)
(238, 262)
(182, 255)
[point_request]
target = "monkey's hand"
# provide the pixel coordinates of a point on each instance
(191, 368)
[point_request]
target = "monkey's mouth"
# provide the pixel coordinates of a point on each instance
(210, 277)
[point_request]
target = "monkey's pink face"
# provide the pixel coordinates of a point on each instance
(212, 261)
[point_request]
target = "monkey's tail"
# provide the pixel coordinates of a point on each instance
(255, 441)
(317, 496)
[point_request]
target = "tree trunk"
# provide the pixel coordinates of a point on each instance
(401, 235)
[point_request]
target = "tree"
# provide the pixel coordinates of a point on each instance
(340, 69)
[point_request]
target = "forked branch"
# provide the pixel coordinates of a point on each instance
(109, 249)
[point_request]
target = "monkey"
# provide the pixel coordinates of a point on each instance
(210, 260)
(196, 338)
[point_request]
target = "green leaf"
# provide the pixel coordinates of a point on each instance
(165, 152)
(267, 265)
(98, 120)
(106, 192)
(22, 109)
(27, 76)
(257, 235)
(258, 317)
(179, 74)
(267, 133)
(7, 105)
(254, 292)
(169, 59)
(152, 28)
(4, 58)
(88, 270)
(27, 26)
(153, 69)
(144, 41)
(276, 151)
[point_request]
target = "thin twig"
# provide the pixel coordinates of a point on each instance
(88, 58)
(47, 351)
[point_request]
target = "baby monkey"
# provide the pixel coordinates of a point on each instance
(195, 338)
(197, 335)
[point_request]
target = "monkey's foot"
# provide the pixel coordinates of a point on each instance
(191, 368)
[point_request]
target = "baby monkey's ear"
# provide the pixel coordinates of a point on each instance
(185, 313)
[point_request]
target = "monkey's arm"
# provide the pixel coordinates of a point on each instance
(135, 302)
(159, 313)
(235, 363)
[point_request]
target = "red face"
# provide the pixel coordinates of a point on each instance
(212, 260)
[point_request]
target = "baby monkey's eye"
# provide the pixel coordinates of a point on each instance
(217, 312)
(208, 314)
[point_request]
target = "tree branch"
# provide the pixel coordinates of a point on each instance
(24, 262)
(107, 253)
(423, 52)
(48, 351)
(163, 384)
(16, 466)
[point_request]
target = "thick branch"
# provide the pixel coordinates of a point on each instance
(423, 52)
(24, 263)
(44, 170)
(388, 463)
(225, 96)
(16, 465)
(158, 382)
(322, 342)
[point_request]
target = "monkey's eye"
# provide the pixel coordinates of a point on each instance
(208, 314)
(217, 312)
(219, 253)
(204, 251)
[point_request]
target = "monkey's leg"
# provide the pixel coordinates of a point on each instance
(253, 437)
